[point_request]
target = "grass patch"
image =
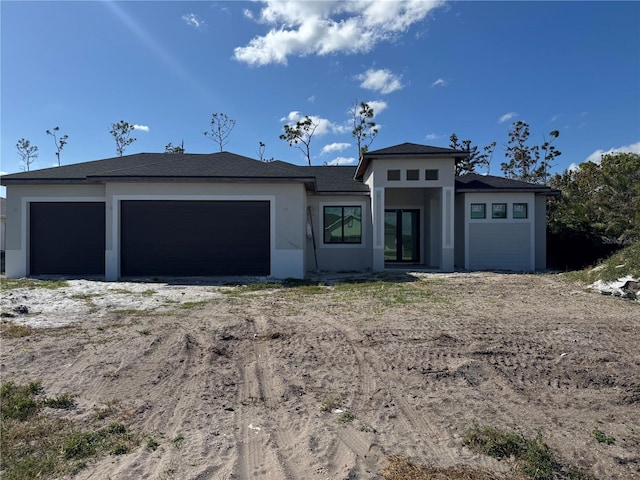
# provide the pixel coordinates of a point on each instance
(400, 468)
(533, 457)
(389, 292)
(13, 283)
(14, 330)
(125, 291)
(85, 296)
(331, 402)
(177, 440)
(602, 437)
(191, 305)
(36, 445)
(346, 417)
(133, 312)
(621, 264)
(61, 402)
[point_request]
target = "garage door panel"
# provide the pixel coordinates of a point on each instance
(67, 238)
(184, 238)
(495, 246)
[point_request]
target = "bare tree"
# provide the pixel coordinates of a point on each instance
(28, 153)
(221, 126)
(300, 135)
(365, 129)
(121, 133)
(59, 143)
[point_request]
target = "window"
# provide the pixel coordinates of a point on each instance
(498, 210)
(431, 175)
(413, 174)
(342, 224)
(393, 174)
(519, 210)
(478, 210)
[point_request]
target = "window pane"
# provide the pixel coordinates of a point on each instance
(342, 224)
(413, 174)
(499, 210)
(352, 224)
(431, 175)
(393, 174)
(478, 210)
(332, 224)
(519, 210)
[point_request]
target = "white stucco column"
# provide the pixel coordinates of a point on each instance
(377, 220)
(448, 218)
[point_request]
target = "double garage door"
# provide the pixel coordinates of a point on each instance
(159, 238)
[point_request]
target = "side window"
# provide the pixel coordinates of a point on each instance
(498, 210)
(413, 174)
(393, 175)
(478, 210)
(519, 210)
(342, 224)
(431, 175)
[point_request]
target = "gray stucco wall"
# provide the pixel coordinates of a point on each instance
(335, 258)
(288, 216)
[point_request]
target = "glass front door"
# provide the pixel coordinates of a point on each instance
(402, 236)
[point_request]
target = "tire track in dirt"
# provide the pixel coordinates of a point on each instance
(260, 448)
(378, 372)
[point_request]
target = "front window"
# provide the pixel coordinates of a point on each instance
(519, 210)
(478, 210)
(342, 224)
(499, 210)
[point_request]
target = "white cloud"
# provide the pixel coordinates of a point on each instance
(342, 161)
(383, 80)
(334, 147)
(439, 83)
(248, 14)
(311, 99)
(506, 117)
(597, 155)
(144, 128)
(378, 106)
(327, 27)
(433, 136)
(324, 126)
(193, 20)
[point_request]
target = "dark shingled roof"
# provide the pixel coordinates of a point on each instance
(414, 149)
(472, 182)
(406, 150)
(223, 166)
(155, 166)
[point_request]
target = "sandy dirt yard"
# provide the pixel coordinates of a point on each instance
(325, 382)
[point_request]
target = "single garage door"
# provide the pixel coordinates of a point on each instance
(194, 238)
(66, 238)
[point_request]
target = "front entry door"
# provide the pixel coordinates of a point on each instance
(402, 236)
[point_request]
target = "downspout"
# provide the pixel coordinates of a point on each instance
(313, 237)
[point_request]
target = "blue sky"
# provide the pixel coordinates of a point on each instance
(428, 68)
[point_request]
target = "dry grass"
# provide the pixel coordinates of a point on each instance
(400, 468)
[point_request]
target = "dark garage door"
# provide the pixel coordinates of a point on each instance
(67, 238)
(193, 238)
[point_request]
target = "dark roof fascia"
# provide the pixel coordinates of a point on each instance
(539, 191)
(201, 179)
(49, 181)
(345, 193)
